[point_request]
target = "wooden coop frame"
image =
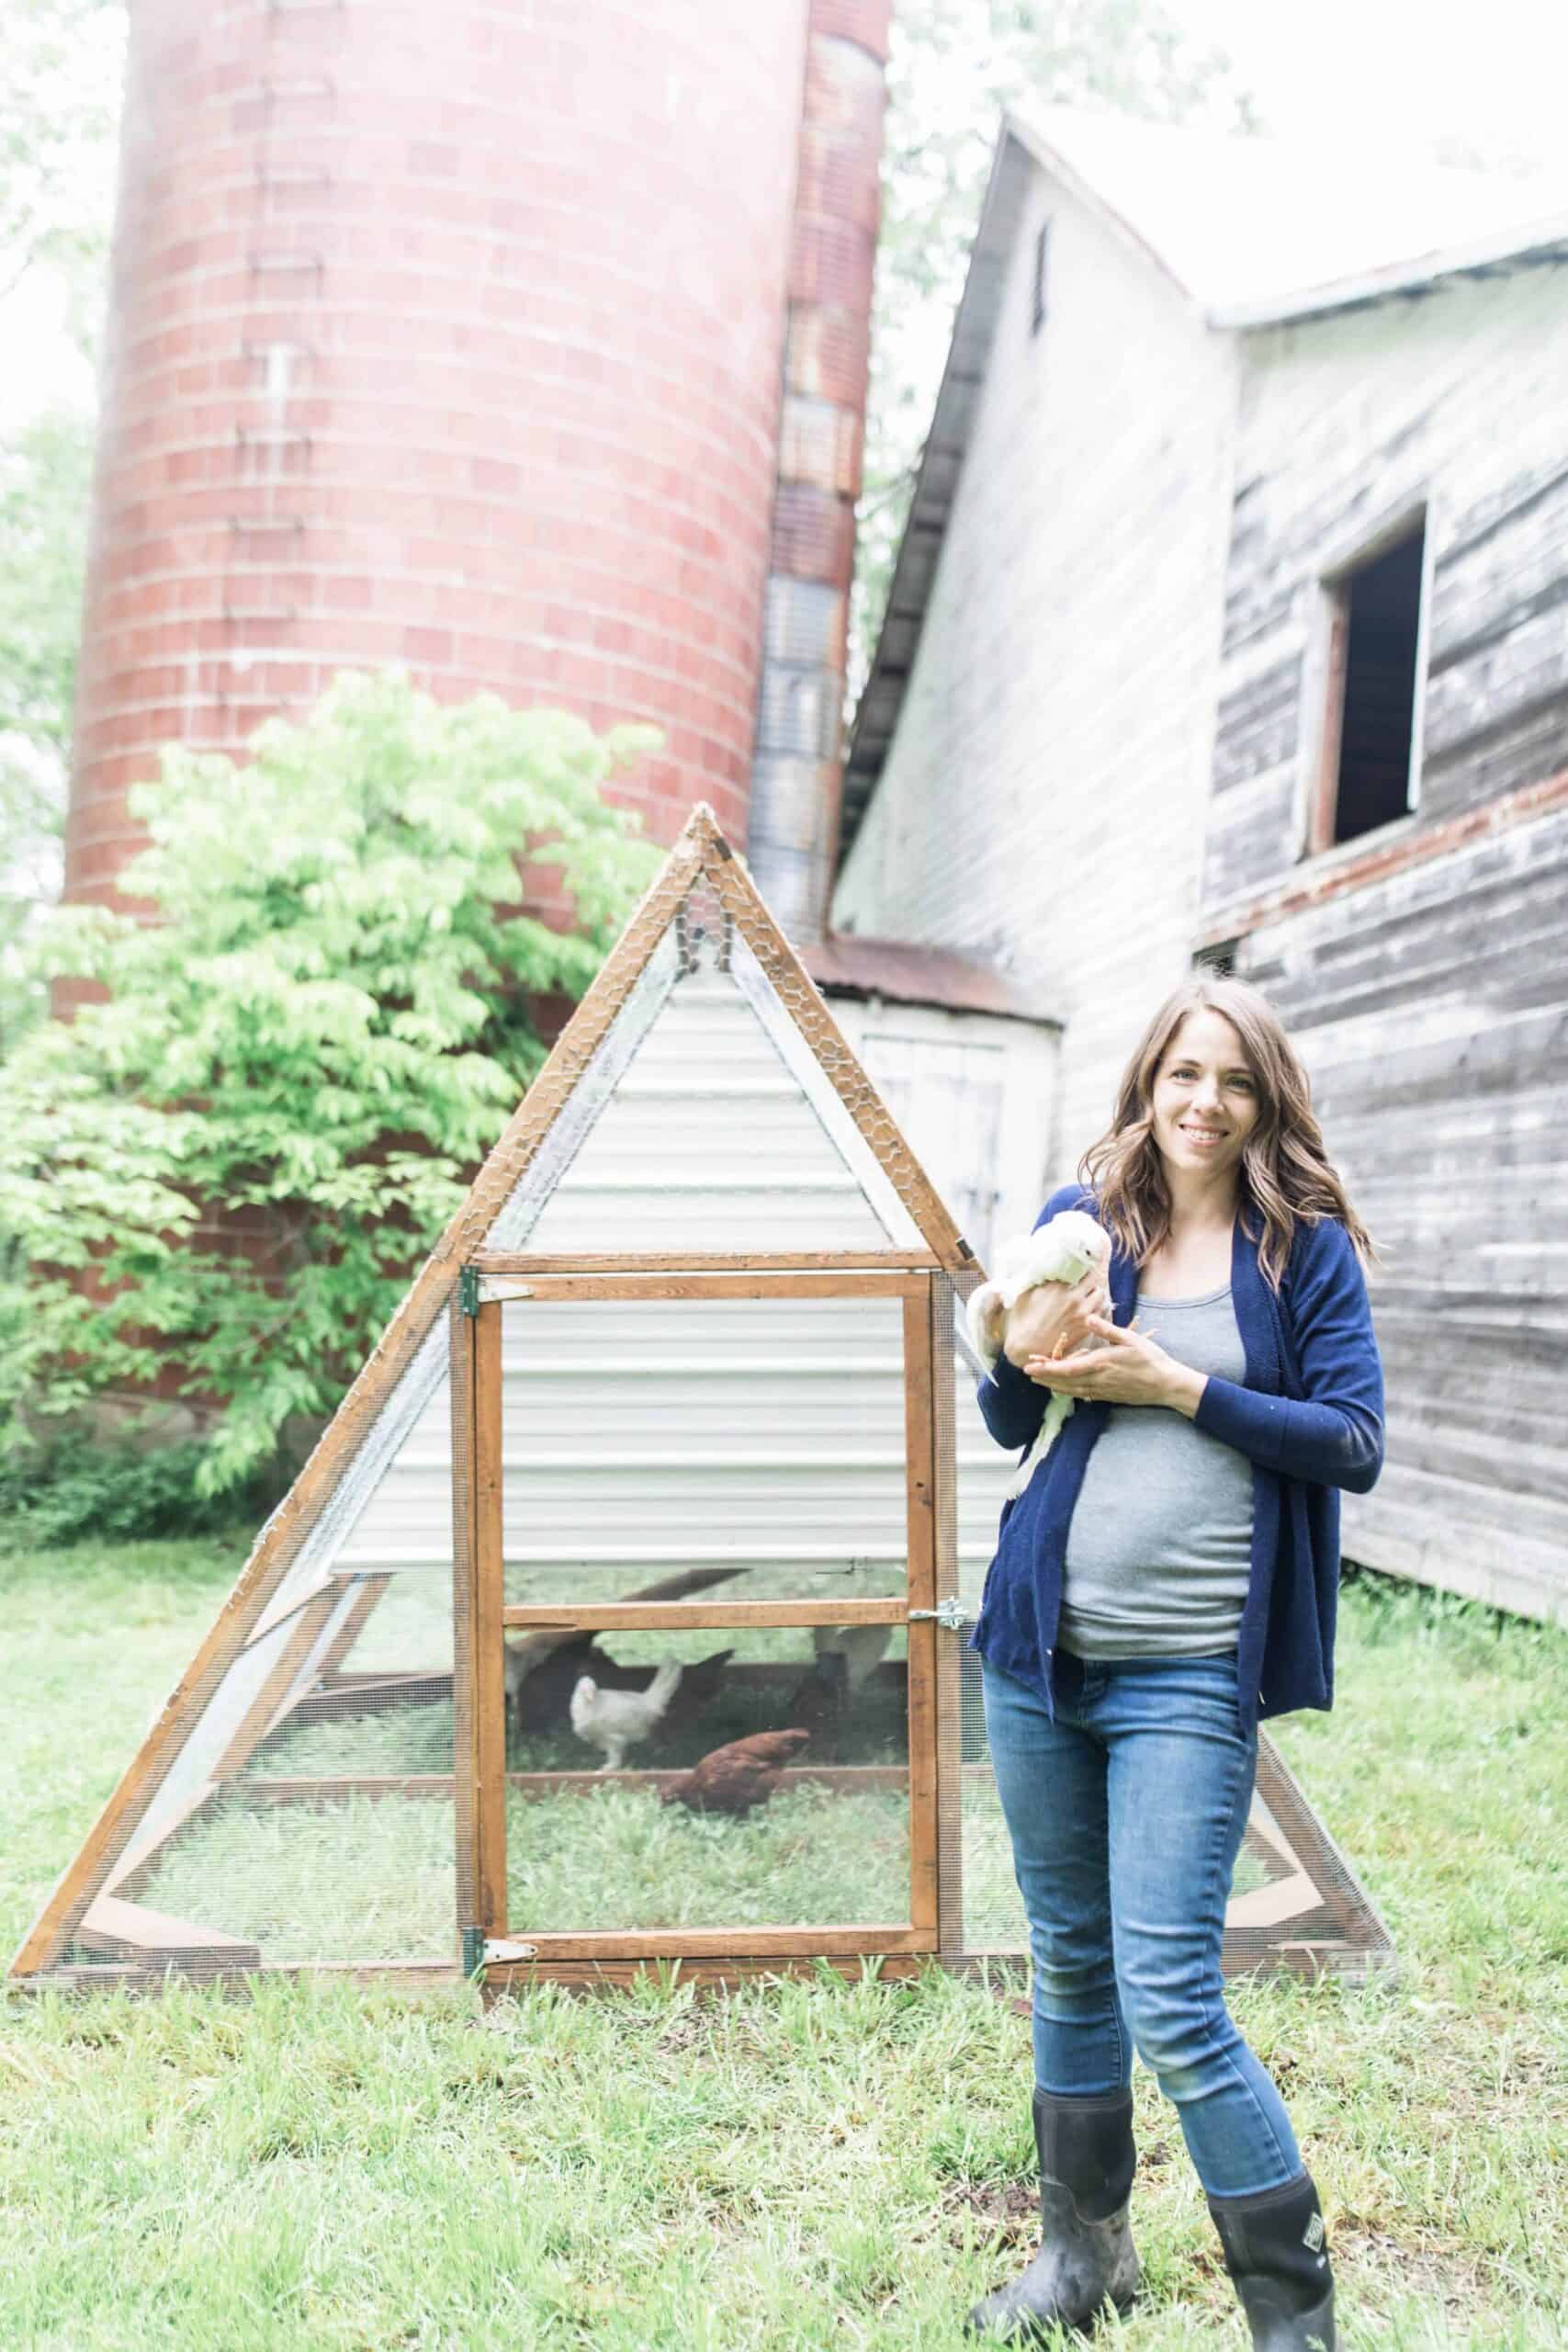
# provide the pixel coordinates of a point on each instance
(507, 1952)
(297, 1611)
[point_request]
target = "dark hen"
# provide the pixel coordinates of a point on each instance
(820, 1701)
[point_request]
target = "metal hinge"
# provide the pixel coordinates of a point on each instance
(469, 1289)
(481, 1950)
(500, 1949)
(951, 1614)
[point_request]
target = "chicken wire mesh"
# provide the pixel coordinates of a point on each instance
(369, 1528)
(324, 1829)
(1295, 1901)
(756, 1777)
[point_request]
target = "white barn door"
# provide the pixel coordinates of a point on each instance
(946, 1095)
(974, 1095)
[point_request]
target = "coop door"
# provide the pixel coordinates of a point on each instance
(697, 1563)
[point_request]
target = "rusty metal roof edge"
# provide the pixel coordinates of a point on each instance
(908, 972)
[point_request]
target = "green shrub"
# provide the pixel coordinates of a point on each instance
(317, 1038)
(119, 1491)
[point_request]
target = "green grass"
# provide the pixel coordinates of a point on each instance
(357, 1879)
(797, 2166)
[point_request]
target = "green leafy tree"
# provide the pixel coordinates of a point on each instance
(60, 67)
(230, 1163)
(954, 67)
(45, 476)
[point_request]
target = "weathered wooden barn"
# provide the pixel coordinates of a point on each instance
(1231, 624)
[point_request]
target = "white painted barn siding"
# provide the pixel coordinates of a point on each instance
(1098, 753)
(1041, 807)
(974, 1097)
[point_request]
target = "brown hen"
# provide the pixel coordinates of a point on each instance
(735, 1778)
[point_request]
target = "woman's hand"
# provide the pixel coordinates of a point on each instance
(1129, 1368)
(1052, 1318)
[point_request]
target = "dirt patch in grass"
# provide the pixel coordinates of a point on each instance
(1384, 2264)
(1439, 2273)
(1008, 2211)
(687, 2035)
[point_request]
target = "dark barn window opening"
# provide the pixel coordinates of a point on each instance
(1374, 655)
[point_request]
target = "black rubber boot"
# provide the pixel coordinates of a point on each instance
(1085, 2259)
(1276, 2250)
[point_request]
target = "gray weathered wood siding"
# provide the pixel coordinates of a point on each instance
(1431, 1010)
(1428, 991)
(1345, 423)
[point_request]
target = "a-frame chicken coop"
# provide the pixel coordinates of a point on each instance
(618, 1616)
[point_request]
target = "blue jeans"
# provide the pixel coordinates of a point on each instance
(1126, 1817)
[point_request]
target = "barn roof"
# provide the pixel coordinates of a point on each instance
(1252, 233)
(849, 965)
(1259, 229)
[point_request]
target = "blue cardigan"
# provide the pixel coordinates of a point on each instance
(1309, 1415)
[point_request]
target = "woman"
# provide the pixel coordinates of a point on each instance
(1167, 1576)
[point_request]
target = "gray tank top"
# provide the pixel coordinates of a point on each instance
(1159, 1550)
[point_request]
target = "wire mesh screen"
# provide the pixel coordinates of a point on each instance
(992, 1911)
(308, 1810)
(321, 1828)
(987, 1915)
(1295, 1901)
(757, 1776)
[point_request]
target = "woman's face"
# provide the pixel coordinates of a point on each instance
(1206, 1099)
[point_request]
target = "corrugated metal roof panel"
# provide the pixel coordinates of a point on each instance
(647, 1435)
(709, 1141)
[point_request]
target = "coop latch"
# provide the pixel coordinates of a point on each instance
(951, 1614)
(469, 1289)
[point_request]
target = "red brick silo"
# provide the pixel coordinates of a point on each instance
(455, 336)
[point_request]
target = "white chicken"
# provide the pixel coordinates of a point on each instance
(617, 1720)
(1060, 1251)
(863, 1647)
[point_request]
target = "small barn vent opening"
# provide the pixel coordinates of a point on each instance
(1374, 657)
(1037, 292)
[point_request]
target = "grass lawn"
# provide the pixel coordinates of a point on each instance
(799, 2166)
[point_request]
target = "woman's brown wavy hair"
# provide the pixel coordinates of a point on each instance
(1285, 1174)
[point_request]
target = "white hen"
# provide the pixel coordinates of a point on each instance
(863, 1647)
(617, 1720)
(1061, 1251)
